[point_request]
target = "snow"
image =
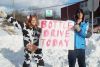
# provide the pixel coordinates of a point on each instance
(12, 52)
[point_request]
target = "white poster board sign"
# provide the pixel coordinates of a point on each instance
(57, 34)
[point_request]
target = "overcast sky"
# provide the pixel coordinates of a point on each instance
(34, 3)
(7, 5)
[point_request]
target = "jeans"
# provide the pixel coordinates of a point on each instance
(78, 54)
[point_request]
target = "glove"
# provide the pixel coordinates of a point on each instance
(3, 14)
(31, 47)
(77, 28)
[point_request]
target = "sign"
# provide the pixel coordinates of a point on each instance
(49, 13)
(93, 5)
(57, 34)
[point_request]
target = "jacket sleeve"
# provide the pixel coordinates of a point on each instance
(16, 23)
(83, 31)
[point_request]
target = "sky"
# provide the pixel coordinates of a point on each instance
(19, 4)
(25, 5)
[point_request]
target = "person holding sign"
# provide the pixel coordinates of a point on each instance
(31, 34)
(81, 29)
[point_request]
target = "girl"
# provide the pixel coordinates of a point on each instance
(80, 29)
(31, 33)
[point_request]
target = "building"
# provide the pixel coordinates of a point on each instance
(68, 12)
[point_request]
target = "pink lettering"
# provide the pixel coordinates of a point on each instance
(53, 32)
(46, 33)
(43, 24)
(60, 43)
(48, 43)
(50, 24)
(70, 26)
(42, 40)
(61, 32)
(67, 33)
(54, 42)
(66, 41)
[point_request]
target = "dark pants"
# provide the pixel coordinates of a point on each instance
(79, 54)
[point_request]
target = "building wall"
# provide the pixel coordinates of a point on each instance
(69, 11)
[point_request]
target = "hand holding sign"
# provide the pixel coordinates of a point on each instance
(77, 28)
(31, 47)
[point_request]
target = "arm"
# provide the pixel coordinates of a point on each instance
(11, 20)
(82, 30)
(16, 23)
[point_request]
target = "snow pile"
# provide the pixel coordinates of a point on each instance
(93, 51)
(12, 52)
(11, 49)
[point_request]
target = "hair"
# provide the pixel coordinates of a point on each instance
(77, 14)
(29, 19)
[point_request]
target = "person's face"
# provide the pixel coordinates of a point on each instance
(80, 18)
(80, 15)
(34, 21)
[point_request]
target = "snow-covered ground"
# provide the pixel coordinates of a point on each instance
(12, 54)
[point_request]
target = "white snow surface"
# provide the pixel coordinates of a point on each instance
(12, 52)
